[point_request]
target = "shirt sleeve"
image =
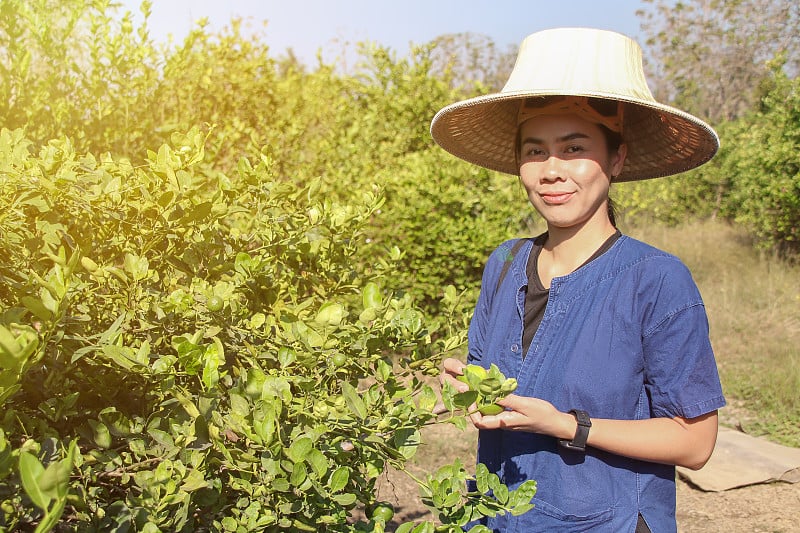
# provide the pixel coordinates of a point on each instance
(681, 375)
(479, 324)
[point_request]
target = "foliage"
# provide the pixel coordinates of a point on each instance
(54, 81)
(204, 346)
(234, 330)
(446, 222)
(765, 171)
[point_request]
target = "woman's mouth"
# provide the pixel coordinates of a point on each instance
(556, 198)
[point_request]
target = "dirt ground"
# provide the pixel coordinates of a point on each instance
(772, 507)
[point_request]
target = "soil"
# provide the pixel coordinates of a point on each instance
(771, 507)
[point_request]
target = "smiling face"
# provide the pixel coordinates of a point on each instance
(566, 168)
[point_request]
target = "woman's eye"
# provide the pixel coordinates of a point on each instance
(574, 149)
(533, 152)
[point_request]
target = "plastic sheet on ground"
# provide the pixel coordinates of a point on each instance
(740, 459)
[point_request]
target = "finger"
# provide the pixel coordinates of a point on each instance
(476, 417)
(511, 401)
(460, 386)
(504, 420)
(453, 366)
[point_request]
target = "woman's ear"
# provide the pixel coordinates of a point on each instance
(618, 159)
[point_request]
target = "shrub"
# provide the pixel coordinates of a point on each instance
(186, 351)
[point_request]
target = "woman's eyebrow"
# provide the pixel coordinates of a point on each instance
(564, 138)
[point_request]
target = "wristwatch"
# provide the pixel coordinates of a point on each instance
(578, 442)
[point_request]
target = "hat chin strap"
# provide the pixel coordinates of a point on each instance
(572, 105)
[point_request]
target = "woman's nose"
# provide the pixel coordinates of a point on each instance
(552, 168)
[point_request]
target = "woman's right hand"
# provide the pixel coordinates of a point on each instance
(452, 368)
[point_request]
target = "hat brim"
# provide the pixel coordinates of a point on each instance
(661, 140)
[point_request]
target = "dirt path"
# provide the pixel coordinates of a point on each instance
(773, 507)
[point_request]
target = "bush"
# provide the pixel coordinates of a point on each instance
(185, 351)
(765, 171)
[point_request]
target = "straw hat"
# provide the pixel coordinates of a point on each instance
(580, 62)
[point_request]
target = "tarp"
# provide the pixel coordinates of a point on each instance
(740, 459)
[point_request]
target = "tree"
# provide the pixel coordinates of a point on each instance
(709, 57)
(470, 58)
(765, 170)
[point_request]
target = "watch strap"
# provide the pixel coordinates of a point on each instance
(578, 442)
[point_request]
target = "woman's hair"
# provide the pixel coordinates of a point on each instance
(613, 142)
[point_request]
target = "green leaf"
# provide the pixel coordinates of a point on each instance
(123, 356)
(345, 499)
(194, 481)
(354, 401)
(405, 527)
(281, 484)
(407, 441)
(523, 494)
(162, 437)
(101, 434)
(463, 400)
(482, 478)
(521, 509)
(299, 475)
(318, 462)
(299, 449)
(14, 350)
(371, 296)
(239, 404)
(36, 307)
(501, 493)
(30, 468)
(136, 266)
(339, 479)
(427, 398)
(52, 517)
(54, 481)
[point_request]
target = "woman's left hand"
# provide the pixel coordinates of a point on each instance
(527, 414)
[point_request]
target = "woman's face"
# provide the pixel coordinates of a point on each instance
(566, 168)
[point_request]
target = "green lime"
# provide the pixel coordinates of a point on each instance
(491, 409)
(215, 304)
(381, 512)
(476, 370)
(339, 360)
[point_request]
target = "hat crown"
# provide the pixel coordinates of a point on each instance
(580, 61)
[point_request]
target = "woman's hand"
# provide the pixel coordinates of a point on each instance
(678, 441)
(452, 368)
(528, 414)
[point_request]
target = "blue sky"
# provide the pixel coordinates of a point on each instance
(309, 25)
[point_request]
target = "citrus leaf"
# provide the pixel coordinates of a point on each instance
(30, 468)
(354, 401)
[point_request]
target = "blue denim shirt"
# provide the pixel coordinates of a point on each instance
(623, 337)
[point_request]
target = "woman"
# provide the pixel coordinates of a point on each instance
(607, 336)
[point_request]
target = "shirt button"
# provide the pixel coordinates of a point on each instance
(515, 348)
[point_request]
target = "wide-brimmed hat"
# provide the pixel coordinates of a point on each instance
(596, 64)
